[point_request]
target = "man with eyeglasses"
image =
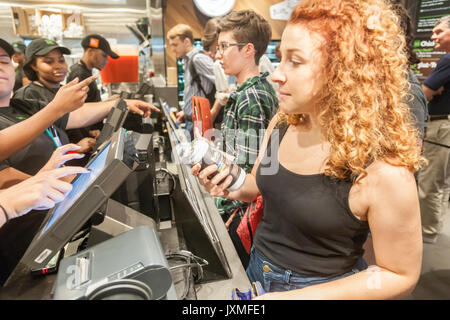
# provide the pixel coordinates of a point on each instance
(243, 39)
(198, 71)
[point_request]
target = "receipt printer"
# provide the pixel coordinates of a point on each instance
(129, 265)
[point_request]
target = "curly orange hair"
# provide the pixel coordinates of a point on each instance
(363, 112)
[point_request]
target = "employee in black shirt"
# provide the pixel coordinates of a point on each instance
(46, 68)
(18, 61)
(96, 52)
(30, 159)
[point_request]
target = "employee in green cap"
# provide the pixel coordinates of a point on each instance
(18, 60)
(20, 134)
(46, 67)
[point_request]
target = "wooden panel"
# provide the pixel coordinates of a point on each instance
(20, 21)
(184, 11)
(263, 8)
(24, 22)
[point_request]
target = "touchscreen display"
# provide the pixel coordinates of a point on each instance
(80, 185)
(169, 115)
(172, 121)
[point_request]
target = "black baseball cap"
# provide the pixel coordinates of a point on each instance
(39, 48)
(7, 47)
(19, 47)
(98, 42)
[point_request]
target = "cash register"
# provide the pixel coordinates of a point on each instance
(114, 121)
(133, 259)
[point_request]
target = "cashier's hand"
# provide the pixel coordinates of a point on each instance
(72, 96)
(140, 107)
(61, 156)
(180, 116)
(86, 144)
(40, 192)
(94, 133)
(212, 186)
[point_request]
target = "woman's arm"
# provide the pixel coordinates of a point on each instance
(247, 193)
(89, 113)
(40, 192)
(93, 112)
(430, 93)
(394, 219)
(68, 98)
(10, 176)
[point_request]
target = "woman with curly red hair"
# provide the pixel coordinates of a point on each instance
(344, 163)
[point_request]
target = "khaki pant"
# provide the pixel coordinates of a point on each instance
(434, 180)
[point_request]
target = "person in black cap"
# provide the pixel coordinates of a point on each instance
(96, 52)
(18, 61)
(46, 67)
(8, 50)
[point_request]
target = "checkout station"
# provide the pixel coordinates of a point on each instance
(139, 226)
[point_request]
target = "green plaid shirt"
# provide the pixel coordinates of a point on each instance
(246, 117)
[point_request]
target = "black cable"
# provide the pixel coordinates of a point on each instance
(80, 234)
(190, 261)
(166, 172)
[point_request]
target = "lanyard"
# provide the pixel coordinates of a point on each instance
(51, 131)
(53, 134)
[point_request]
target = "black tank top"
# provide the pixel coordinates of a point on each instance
(307, 226)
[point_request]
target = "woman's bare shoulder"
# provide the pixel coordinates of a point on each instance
(388, 186)
(382, 172)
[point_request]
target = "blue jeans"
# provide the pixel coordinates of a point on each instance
(276, 279)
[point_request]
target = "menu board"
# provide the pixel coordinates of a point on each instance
(428, 14)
